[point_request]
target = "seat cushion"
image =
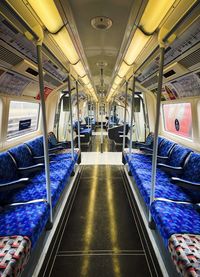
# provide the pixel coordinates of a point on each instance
(185, 253)
(175, 218)
(14, 255)
(36, 188)
(86, 131)
(163, 189)
(25, 220)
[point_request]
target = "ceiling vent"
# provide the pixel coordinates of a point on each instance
(191, 60)
(101, 23)
(8, 56)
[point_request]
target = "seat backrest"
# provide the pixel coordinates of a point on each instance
(191, 169)
(22, 155)
(165, 147)
(149, 139)
(178, 155)
(8, 168)
(36, 146)
(52, 139)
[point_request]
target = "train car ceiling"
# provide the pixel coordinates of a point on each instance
(102, 51)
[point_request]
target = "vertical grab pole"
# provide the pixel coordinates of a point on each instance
(124, 132)
(88, 121)
(155, 143)
(44, 127)
(71, 118)
(101, 129)
(132, 115)
(79, 139)
(110, 109)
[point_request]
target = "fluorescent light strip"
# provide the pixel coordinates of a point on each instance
(79, 69)
(136, 46)
(64, 41)
(154, 13)
(48, 14)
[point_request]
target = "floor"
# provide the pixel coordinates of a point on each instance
(102, 237)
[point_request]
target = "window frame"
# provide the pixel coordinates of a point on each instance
(28, 132)
(163, 120)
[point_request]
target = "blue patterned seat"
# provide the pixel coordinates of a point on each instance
(163, 189)
(175, 218)
(8, 169)
(22, 155)
(191, 173)
(165, 147)
(178, 155)
(25, 220)
(36, 188)
(37, 150)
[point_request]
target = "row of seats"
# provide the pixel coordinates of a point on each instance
(85, 132)
(175, 209)
(24, 210)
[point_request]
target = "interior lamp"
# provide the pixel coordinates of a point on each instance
(64, 41)
(48, 14)
(117, 80)
(154, 13)
(137, 44)
(123, 69)
(78, 67)
(85, 80)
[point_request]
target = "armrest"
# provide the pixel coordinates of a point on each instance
(26, 171)
(40, 159)
(141, 144)
(14, 184)
(146, 149)
(172, 170)
(56, 148)
(185, 184)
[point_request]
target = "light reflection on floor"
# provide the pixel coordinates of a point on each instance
(107, 158)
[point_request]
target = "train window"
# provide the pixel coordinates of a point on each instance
(178, 119)
(23, 118)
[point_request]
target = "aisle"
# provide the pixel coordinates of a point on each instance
(101, 238)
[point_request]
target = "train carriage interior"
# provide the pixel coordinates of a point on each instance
(99, 138)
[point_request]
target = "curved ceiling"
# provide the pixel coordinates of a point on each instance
(101, 45)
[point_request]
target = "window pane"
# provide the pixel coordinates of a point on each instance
(23, 118)
(178, 119)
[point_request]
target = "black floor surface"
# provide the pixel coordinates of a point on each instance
(101, 236)
(95, 144)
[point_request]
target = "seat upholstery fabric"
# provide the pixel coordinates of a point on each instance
(175, 218)
(25, 220)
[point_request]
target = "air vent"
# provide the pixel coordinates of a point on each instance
(101, 23)
(150, 82)
(32, 71)
(169, 73)
(52, 81)
(8, 56)
(191, 59)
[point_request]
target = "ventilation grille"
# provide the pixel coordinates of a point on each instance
(52, 81)
(191, 59)
(150, 82)
(8, 56)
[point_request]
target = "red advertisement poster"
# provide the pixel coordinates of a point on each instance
(178, 119)
(47, 91)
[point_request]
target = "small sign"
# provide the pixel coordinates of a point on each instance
(177, 124)
(24, 124)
